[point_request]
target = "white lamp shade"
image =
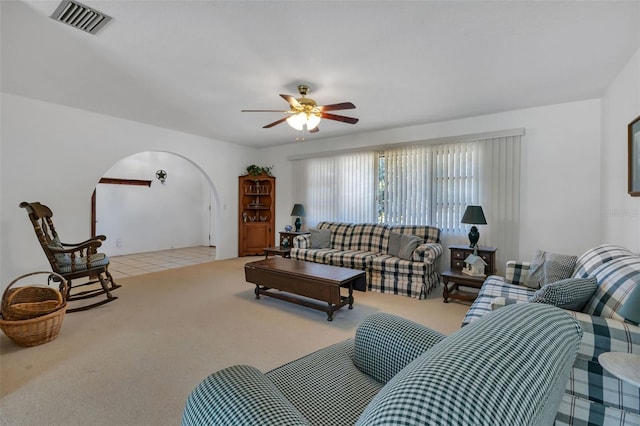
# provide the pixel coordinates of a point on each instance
(297, 121)
(312, 121)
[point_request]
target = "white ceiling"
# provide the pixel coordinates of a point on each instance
(193, 65)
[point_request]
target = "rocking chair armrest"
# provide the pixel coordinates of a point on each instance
(69, 248)
(97, 239)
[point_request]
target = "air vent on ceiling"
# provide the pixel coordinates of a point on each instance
(80, 16)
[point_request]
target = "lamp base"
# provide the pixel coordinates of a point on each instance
(298, 224)
(474, 236)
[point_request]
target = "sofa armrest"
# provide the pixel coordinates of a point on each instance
(385, 344)
(517, 272)
(606, 335)
(239, 395)
(427, 253)
(302, 241)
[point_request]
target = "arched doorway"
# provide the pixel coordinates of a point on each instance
(139, 213)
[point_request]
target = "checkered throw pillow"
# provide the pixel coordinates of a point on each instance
(570, 293)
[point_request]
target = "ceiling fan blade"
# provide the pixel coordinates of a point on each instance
(263, 110)
(335, 107)
(292, 101)
(314, 130)
(275, 123)
(342, 118)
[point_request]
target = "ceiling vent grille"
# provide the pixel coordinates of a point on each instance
(80, 16)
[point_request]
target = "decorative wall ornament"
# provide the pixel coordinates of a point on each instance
(161, 175)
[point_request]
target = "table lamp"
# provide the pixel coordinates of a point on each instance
(298, 210)
(475, 216)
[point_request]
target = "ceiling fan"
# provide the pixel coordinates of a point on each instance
(305, 112)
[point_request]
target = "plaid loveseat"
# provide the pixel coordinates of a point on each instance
(365, 246)
(593, 396)
(399, 372)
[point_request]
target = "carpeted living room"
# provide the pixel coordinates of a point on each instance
(384, 138)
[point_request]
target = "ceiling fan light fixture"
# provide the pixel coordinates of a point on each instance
(297, 121)
(312, 121)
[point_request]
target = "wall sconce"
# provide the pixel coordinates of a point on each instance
(161, 175)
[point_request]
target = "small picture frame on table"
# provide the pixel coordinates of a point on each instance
(634, 158)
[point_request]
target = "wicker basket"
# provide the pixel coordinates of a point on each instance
(45, 315)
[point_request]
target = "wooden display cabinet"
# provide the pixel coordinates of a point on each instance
(257, 214)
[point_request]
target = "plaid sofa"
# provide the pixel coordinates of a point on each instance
(593, 396)
(399, 372)
(365, 246)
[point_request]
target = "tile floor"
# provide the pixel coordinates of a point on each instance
(143, 263)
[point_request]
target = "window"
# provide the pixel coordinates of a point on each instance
(424, 184)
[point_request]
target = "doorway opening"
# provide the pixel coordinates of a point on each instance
(141, 210)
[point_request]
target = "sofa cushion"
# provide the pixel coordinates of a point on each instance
(549, 267)
(318, 383)
(350, 259)
(320, 238)
(371, 237)
(403, 245)
(493, 287)
(394, 244)
(570, 293)
(615, 278)
(430, 234)
(340, 234)
(312, 255)
(593, 258)
(408, 244)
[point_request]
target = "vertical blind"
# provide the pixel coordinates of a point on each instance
(340, 188)
(420, 185)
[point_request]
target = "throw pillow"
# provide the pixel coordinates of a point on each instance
(320, 238)
(570, 293)
(549, 267)
(408, 244)
(394, 244)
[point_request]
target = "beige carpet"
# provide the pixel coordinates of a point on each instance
(135, 360)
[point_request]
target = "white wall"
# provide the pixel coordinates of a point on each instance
(560, 170)
(163, 216)
(56, 155)
(619, 211)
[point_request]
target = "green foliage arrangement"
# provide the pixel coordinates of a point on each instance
(254, 170)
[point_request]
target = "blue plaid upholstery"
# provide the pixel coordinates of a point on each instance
(326, 386)
(616, 280)
(593, 258)
(365, 246)
(592, 396)
(239, 395)
(95, 260)
(385, 344)
(399, 372)
(509, 368)
(517, 272)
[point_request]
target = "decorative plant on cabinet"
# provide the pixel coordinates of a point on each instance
(257, 214)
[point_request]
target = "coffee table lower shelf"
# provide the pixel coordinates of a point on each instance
(285, 279)
(453, 279)
(327, 308)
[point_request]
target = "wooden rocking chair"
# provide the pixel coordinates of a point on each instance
(72, 261)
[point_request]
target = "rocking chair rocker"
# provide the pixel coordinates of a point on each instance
(72, 261)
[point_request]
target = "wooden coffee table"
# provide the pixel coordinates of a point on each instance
(454, 279)
(311, 280)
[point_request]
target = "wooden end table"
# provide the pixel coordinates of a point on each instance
(278, 250)
(454, 279)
